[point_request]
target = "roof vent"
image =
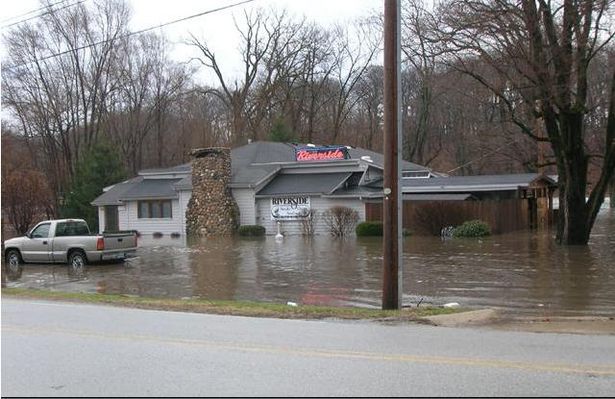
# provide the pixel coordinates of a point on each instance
(310, 145)
(366, 158)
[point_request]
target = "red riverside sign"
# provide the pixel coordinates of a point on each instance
(321, 153)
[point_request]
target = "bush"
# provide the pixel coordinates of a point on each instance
(366, 229)
(309, 222)
(251, 230)
(431, 217)
(472, 228)
(340, 220)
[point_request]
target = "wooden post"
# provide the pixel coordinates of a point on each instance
(391, 214)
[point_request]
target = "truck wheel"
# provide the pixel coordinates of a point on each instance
(77, 260)
(13, 260)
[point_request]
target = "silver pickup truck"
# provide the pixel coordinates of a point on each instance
(68, 241)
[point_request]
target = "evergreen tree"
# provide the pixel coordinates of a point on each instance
(280, 132)
(99, 168)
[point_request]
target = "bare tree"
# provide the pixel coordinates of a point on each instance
(26, 196)
(57, 78)
(255, 43)
(147, 83)
(353, 53)
(539, 54)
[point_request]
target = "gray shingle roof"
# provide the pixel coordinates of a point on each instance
(114, 195)
(152, 188)
(469, 183)
(313, 183)
(357, 153)
(251, 163)
(138, 188)
(437, 197)
(184, 168)
(184, 184)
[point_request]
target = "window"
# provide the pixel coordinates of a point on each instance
(415, 174)
(161, 209)
(68, 229)
(42, 231)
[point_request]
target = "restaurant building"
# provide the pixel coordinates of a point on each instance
(284, 184)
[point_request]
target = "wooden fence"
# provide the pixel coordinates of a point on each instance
(430, 216)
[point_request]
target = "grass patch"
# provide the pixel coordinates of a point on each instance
(235, 308)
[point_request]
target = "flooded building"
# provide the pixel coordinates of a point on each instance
(286, 185)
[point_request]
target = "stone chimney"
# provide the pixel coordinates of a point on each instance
(212, 210)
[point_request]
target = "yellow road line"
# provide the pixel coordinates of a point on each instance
(605, 370)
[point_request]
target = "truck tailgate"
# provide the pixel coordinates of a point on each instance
(120, 241)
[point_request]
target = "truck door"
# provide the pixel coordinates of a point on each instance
(37, 247)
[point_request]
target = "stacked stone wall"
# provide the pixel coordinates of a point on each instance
(212, 210)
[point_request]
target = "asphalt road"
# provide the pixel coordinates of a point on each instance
(63, 349)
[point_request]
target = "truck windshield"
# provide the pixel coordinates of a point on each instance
(65, 229)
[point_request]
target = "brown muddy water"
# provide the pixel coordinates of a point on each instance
(521, 272)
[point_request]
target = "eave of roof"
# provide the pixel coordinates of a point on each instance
(304, 184)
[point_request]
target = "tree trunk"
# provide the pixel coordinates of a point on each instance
(574, 222)
(612, 192)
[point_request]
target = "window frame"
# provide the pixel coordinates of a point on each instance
(69, 223)
(38, 227)
(150, 204)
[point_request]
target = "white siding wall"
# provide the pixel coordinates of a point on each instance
(184, 197)
(101, 219)
(129, 220)
(244, 197)
(122, 217)
(319, 204)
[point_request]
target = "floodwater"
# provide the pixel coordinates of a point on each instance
(521, 272)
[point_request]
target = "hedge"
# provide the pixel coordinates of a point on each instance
(366, 229)
(251, 230)
(472, 228)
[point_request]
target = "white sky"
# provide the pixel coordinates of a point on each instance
(218, 28)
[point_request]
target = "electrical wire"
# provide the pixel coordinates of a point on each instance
(33, 11)
(133, 33)
(51, 10)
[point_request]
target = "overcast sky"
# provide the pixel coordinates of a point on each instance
(217, 28)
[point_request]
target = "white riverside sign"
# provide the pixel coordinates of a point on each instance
(290, 208)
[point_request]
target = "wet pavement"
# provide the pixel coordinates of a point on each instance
(523, 272)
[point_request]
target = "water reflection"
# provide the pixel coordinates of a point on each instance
(520, 272)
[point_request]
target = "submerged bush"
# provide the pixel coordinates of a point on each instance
(251, 230)
(472, 228)
(366, 229)
(340, 220)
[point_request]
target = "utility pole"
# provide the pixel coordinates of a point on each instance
(391, 204)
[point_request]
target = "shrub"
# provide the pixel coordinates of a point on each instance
(431, 217)
(366, 229)
(340, 220)
(472, 228)
(309, 222)
(251, 230)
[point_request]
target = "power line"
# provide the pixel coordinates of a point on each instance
(135, 33)
(490, 153)
(33, 11)
(45, 13)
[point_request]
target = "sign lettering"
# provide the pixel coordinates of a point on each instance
(321, 153)
(290, 208)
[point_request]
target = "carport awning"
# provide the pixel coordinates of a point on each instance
(313, 183)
